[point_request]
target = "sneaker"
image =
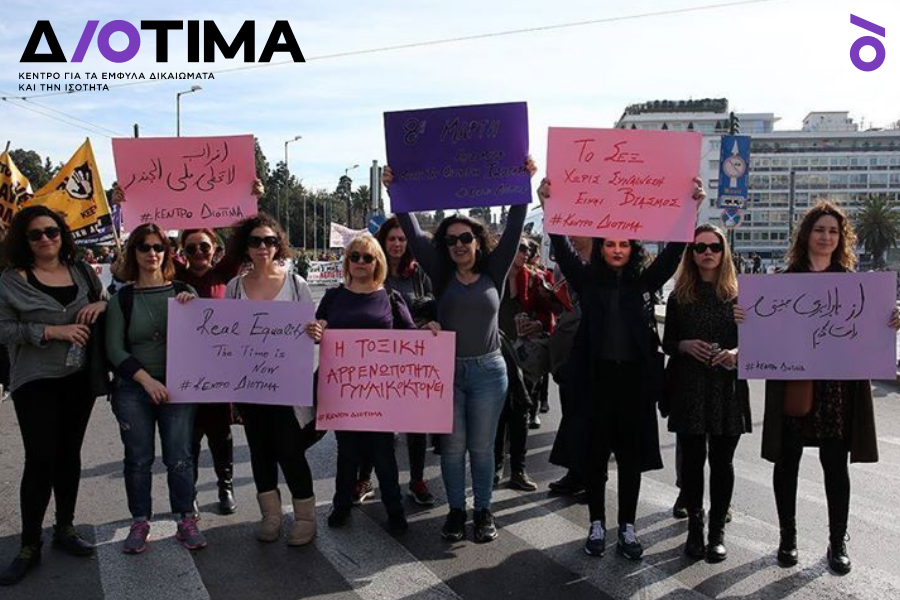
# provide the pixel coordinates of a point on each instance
(629, 546)
(363, 492)
(27, 558)
(189, 534)
(485, 529)
(338, 517)
(520, 480)
(397, 523)
(454, 528)
(595, 545)
(534, 422)
(418, 491)
(136, 542)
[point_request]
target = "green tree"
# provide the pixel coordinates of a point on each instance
(360, 205)
(877, 227)
(439, 215)
(38, 171)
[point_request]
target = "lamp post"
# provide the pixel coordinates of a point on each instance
(194, 88)
(347, 182)
(287, 181)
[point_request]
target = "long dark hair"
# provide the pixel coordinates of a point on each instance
(842, 259)
(632, 268)
(479, 230)
(17, 252)
(239, 245)
(407, 265)
(129, 270)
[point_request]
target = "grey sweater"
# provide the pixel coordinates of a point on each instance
(24, 313)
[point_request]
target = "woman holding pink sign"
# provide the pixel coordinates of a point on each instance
(614, 409)
(469, 273)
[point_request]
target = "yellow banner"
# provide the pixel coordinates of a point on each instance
(14, 189)
(77, 193)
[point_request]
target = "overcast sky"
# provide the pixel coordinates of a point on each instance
(789, 57)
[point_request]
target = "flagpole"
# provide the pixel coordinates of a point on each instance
(7, 146)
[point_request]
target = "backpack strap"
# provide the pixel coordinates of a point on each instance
(126, 304)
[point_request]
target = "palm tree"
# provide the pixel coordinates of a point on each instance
(878, 227)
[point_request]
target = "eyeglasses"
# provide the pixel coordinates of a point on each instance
(203, 247)
(367, 258)
(145, 248)
(34, 235)
(270, 241)
(466, 238)
(701, 247)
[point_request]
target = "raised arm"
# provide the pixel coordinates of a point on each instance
(663, 266)
(575, 271)
(499, 261)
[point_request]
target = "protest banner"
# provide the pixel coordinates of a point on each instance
(76, 193)
(458, 157)
(240, 351)
(104, 272)
(14, 189)
(330, 272)
(386, 380)
(184, 182)
(817, 326)
(341, 235)
(622, 183)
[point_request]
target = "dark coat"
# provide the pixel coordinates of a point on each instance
(594, 283)
(517, 395)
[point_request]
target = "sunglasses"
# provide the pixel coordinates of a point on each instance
(202, 247)
(466, 238)
(270, 241)
(34, 235)
(367, 258)
(701, 247)
(145, 248)
(526, 249)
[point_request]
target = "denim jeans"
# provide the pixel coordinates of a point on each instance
(479, 393)
(138, 417)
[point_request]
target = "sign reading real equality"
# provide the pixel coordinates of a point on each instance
(386, 380)
(240, 351)
(622, 183)
(186, 182)
(458, 157)
(817, 326)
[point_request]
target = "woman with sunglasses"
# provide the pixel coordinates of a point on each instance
(136, 328)
(363, 302)
(838, 417)
(278, 436)
(469, 273)
(709, 408)
(618, 344)
(406, 277)
(45, 319)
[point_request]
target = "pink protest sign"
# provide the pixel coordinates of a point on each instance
(817, 326)
(182, 183)
(240, 351)
(386, 380)
(622, 183)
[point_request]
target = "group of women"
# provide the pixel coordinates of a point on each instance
(53, 314)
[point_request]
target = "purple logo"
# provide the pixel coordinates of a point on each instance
(867, 40)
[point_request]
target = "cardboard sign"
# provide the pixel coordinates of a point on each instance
(622, 183)
(184, 183)
(240, 351)
(329, 272)
(386, 380)
(342, 235)
(818, 326)
(458, 157)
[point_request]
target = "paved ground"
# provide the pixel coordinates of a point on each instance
(538, 554)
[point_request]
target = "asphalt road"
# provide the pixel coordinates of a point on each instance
(538, 553)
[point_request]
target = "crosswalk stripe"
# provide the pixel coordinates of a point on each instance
(166, 570)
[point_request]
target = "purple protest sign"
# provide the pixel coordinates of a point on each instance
(817, 326)
(458, 156)
(240, 351)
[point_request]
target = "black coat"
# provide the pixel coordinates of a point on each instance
(595, 283)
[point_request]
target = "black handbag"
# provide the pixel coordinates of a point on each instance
(100, 378)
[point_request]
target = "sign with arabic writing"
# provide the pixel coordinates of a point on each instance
(817, 326)
(186, 182)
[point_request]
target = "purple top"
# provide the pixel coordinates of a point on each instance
(344, 309)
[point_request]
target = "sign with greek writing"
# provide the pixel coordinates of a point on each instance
(622, 183)
(458, 156)
(329, 272)
(391, 380)
(186, 182)
(817, 326)
(240, 351)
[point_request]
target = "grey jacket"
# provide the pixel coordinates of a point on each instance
(24, 313)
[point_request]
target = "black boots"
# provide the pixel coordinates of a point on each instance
(67, 539)
(695, 546)
(227, 505)
(28, 558)
(838, 559)
(715, 548)
(787, 549)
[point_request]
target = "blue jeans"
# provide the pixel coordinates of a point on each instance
(138, 417)
(479, 393)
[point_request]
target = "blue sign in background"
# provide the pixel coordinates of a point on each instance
(734, 171)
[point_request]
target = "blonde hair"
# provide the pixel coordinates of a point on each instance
(368, 244)
(687, 279)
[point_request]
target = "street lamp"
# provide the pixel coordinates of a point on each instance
(287, 204)
(194, 88)
(346, 181)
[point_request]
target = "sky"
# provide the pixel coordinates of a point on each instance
(788, 57)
